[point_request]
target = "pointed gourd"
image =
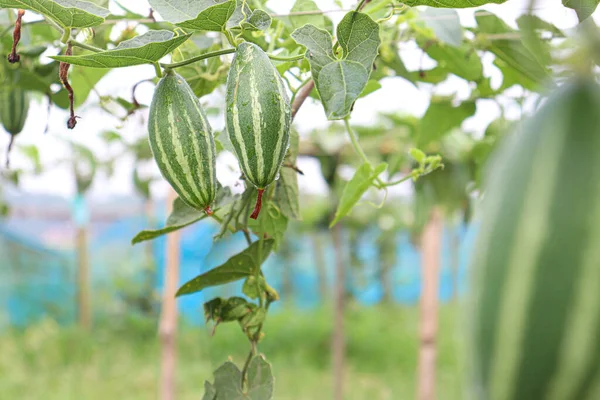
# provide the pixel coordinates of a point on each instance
(14, 106)
(535, 305)
(182, 142)
(258, 117)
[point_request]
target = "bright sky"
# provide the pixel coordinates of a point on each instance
(395, 95)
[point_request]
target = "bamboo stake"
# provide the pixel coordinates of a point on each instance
(431, 245)
(168, 319)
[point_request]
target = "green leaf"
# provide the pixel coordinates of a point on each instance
(512, 52)
(205, 76)
(142, 186)
(286, 190)
(210, 393)
(340, 82)
(303, 6)
(434, 75)
(111, 137)
(445, 24)
(237, 267)
(252, 287)
(462, 61)
(66, 13)
(358, 36)
(318, 43)
(248, 19)
(440, 118)
(362, 180)
(83, 80)
(212, 18)
(144, 49)
(417, 155)
(390, 57)
(258, 21)
(270, 221)
(33, 154)
(181, 216)
(583, 8)
(228, 381)
(260, 379)
(231, 309)
(451, 3)
(287, 194)
(529, 25)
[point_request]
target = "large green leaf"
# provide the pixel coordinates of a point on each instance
(83, 81)
(286, 190)
(237, 267)
(583, 8)
(530, 27)
(452, 3)
(144, 49)
(228, 381)
(362, 180)
(512, 52)
(462, 61)
(358, 36)
(201, 15)
(340, 82)
(306, 6)
(257, 21)
(445, 24)
(319, 47)
(440, 118)
(209, 391)
(66, 13)
(181, 216)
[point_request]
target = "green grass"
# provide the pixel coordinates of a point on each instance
(120, 360)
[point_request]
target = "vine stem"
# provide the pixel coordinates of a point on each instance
(192, 60)
(301, 96)
(360, 5)
(229, 38)
(354, 141)
(66, 36)
(75, 43)
(359, 150)
(279, 58)
(198, 58)
(251, 354)
(394, 183)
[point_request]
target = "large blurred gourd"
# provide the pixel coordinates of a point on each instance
(535, 305)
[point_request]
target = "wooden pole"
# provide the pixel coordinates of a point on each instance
(338, 341)
(455, 257)
(431, 246)
(168, 318)
(84, 313)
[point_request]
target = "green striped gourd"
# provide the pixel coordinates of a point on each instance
(258, 117)
(535, 306)
(14, 105)
(182, 142)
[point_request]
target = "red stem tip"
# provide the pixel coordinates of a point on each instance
(258, 205)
